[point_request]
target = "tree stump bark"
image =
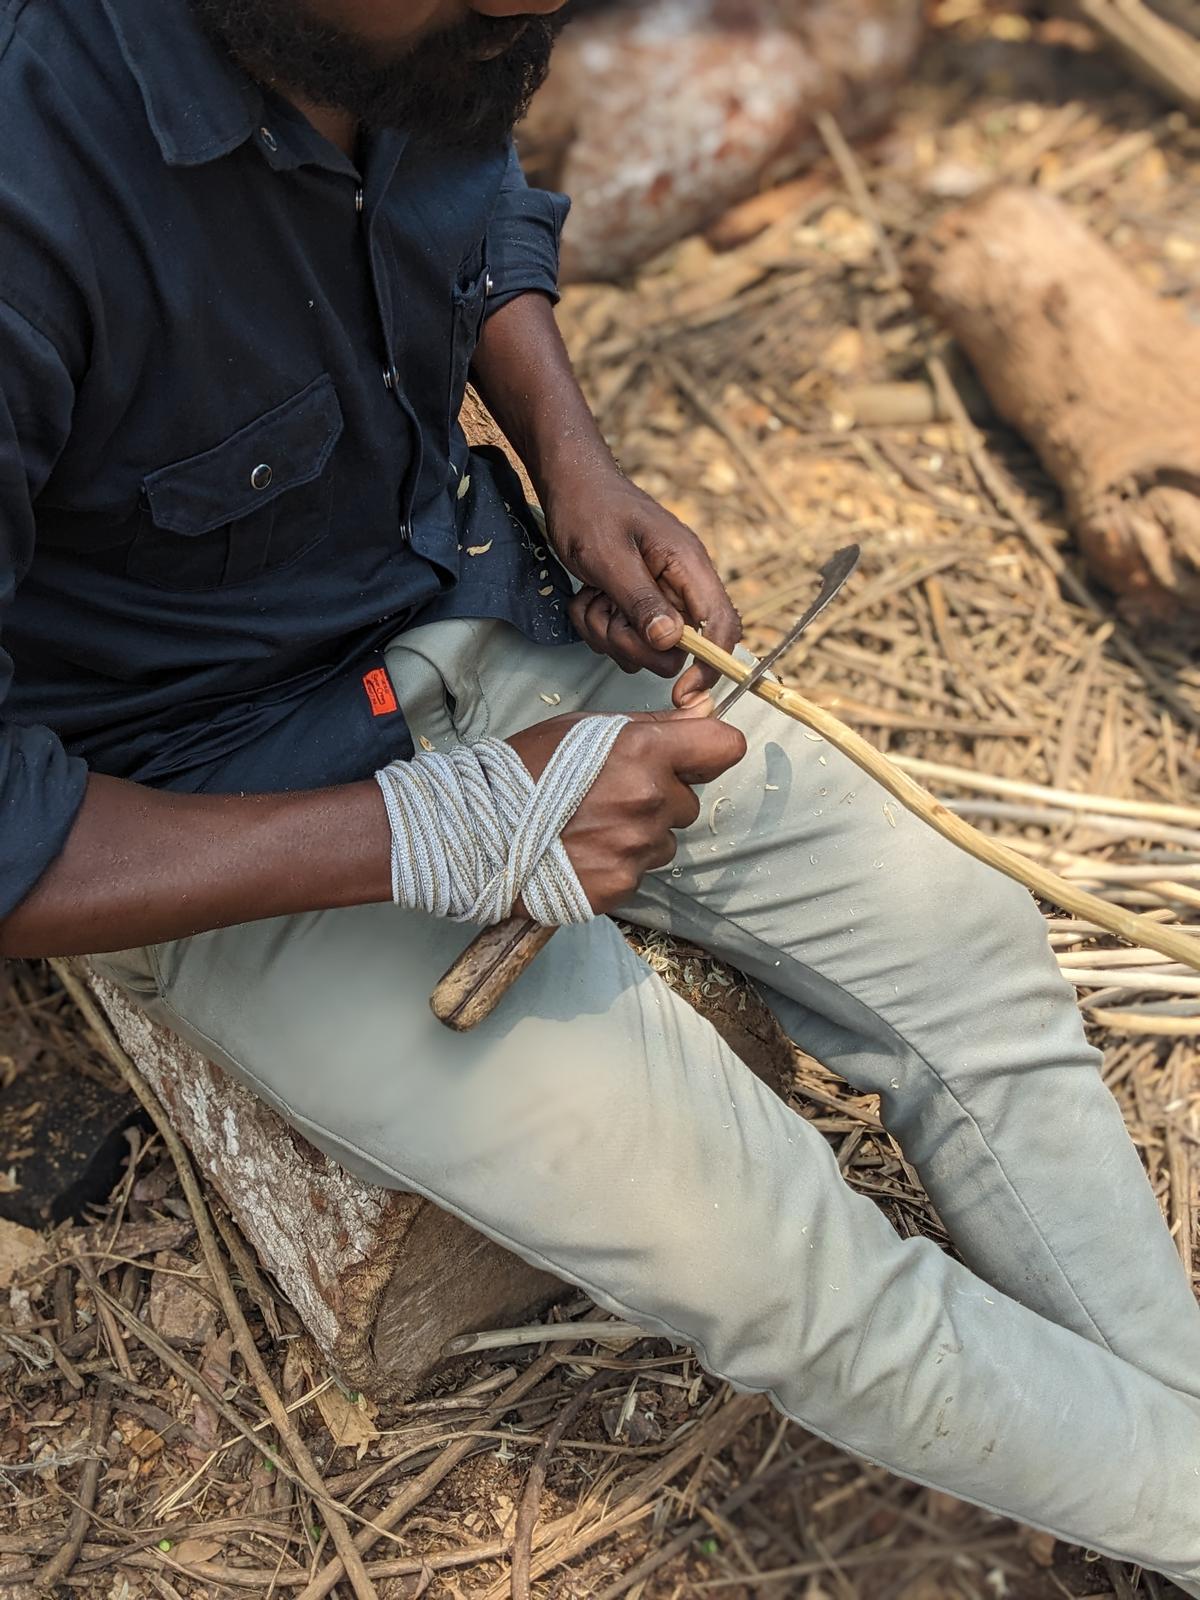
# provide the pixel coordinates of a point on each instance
(380, 1279)
(1098, 374)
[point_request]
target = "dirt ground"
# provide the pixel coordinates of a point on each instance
(734, 385)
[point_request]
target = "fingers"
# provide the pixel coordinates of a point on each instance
(682, 805)
(620, 571)
(603, 628)
(705, 601)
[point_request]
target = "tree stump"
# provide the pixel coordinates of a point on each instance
(380, 1279)
(1098, 374)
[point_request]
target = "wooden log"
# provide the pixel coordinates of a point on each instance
(1152, 42)
(381, 1280)
(660, 114)
(1100, 376)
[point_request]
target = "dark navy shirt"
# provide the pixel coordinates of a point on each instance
(231, 366)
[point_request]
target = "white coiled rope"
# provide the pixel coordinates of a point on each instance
(472, 833)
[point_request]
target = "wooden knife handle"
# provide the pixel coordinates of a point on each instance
(485, 972)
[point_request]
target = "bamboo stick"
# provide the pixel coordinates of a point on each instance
(1144, 1022)
(1110, 805)
(1113, 958)
(1137, 930)
(1129, 979)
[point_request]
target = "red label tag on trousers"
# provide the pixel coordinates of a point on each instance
(380, 693)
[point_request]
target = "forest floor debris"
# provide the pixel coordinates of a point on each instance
(777, 395)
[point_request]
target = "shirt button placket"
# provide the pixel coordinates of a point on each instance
(391, 374)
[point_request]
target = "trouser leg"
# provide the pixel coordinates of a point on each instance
(600, 1129)
(906, 966)
(921, 975)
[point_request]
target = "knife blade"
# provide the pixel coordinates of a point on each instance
(833, 577)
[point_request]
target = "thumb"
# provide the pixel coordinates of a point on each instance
(628, 582)
(698, 748)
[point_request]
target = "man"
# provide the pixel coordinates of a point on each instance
(248, 251)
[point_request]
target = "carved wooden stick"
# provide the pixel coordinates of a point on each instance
(1125, 924)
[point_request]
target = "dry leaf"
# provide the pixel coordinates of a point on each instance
(205, 1422)
(216, 1364)
(349, 1421)
(18, 1248)
(425, 743)
(480, 549)
(189, 1551)
(549, 589)
(145, 1442)
(465, 486)
(503, 1513)
(1040, 1547)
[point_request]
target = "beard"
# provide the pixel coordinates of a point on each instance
(462, 88)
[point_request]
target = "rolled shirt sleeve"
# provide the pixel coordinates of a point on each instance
(41, 786)
(523, 238)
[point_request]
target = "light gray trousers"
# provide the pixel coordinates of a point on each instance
(597, 1127)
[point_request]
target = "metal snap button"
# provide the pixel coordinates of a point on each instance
(261, 477)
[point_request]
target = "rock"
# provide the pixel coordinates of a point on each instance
(658, 115)
(62, 1143)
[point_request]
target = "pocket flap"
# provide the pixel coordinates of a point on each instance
(287, 447)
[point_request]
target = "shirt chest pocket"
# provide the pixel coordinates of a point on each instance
(254, 503)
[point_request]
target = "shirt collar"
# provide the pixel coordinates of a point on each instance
(199, 103)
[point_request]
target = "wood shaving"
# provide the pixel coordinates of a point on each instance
(480, 549)
(716, 806)
(464, 487)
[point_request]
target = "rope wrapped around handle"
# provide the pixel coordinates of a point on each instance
(472, 833)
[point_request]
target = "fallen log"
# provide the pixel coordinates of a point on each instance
(660, 114)
(1155, 46)
(1099, 375)
(381, 1280)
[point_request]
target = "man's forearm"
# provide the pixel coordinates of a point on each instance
(524, 374)
(142, 866)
